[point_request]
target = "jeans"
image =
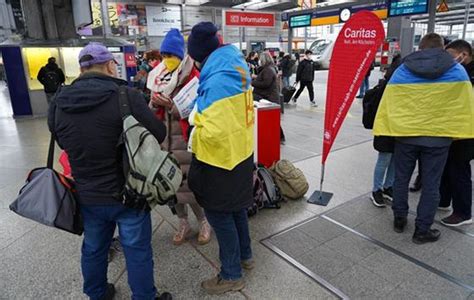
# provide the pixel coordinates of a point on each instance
(456, 185)
(364, 87)
(433, 161)
(232, 233)
(309, 85)
(50, 97)
(135, 236)
(286, 81)
(384, 173)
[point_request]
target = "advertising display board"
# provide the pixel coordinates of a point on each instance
(160, 19)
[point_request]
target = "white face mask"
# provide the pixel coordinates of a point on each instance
(460, 58)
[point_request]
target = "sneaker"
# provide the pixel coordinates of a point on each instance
(164, 296)
(378, 198)
(183, 231)
(293, 101)
(430, 236)
(444, 208)
(110, 292)
(416, 185)
(388, 193)
(399, 224)
(455, 220)
(218, 285)
(248, 264)
(204, 233)
(115, 249)
(360, 96)
(313, 104)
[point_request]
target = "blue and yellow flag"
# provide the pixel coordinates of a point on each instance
(223, 133)
(415, 106)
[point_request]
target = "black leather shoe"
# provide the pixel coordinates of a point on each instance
(110, 292)
(164, 296)
(429, 236)
(399, 224)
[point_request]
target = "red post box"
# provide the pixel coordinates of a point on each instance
(267, 133)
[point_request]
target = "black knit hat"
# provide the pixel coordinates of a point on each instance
(202, 41)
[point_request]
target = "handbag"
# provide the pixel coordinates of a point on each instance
(49, 198)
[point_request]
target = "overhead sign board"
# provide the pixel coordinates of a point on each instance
(407, 7)
(249, 19)
(300, 21)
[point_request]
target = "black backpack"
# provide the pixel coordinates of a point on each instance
(51, 80)
(370, 104)
(266, 193)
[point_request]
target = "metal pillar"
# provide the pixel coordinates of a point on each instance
(306, 38)
(432, 16)
(450, 29)
(49, 20)
(400, 29)
(33, 20)
(290, 40)
(105, 18)
(466, 19)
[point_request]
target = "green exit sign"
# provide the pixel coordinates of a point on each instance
(300, 21)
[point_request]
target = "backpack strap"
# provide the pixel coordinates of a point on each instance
(124, 102)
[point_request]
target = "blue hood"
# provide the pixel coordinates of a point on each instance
(429, 63)
(87, 92)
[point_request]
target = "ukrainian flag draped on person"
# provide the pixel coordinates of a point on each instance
(224, 97)
(446, 104)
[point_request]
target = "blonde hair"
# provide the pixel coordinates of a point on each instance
(266, 59)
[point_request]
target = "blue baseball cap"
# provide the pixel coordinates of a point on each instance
(94, 53)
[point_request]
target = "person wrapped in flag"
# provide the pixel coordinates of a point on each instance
(427, 103)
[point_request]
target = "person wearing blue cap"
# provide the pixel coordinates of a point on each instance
(221, 172)
(175, 71)
(86, 121)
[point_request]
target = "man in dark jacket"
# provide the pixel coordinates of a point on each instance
(424, 127)
(86, 121)
(305, 76)
(51, 77)
(456, 184)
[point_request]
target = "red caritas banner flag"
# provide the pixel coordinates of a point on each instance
(354, 52)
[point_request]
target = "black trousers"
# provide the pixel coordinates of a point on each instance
(309, 85)
(456, 185)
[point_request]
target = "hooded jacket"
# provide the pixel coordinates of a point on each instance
(266, 84)
(427, 101)
(86, 121)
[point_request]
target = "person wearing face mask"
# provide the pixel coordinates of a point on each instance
(456, 184)
(305, 76)
(174, 72)
(86, 121)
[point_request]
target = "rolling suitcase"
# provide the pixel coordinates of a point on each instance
(288, 92)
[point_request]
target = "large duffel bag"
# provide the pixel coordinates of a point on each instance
(49, 198)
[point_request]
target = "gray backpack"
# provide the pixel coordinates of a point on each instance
(152, 174)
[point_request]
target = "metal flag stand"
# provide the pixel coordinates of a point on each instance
(320, 197)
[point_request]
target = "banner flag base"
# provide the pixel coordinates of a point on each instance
(320, 197)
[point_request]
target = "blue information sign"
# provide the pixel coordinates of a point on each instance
(407, 7)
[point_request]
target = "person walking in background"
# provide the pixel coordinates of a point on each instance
(221, 172)
(265, 84)
(305, 76)
(424, 124)
(86, 121)
(365, 84)
(51, 77)
(456, 184)
(175, 71)
(286, 65)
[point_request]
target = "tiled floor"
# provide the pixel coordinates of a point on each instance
(354, 248)
(37, 262)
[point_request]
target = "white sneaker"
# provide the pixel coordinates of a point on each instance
(313, 104)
